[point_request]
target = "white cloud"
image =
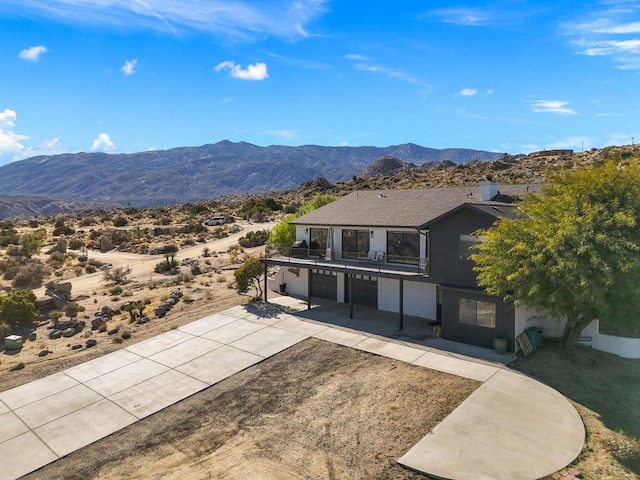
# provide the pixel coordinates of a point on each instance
(389, 72)
(256, 71)
(10, 146)
(353, 56)
(238, 19)
(32, 54)
(129, 67)
(468, 92)
(103, 143)
(490, 91)
(465, 16)
(552, 106)
(608, 32)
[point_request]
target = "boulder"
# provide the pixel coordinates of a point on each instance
(59, 301)
(43, 303)
(90, 343)
(160, 312)
(79, 326)
(68, 332)
(113, 331)
(55, 334)
(32, 337)
(43, 353)
(77, 346)
(97, 322)
(61, 286)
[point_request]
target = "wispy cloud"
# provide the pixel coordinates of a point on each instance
(129, 67)
(288, 135)
(239, 19)
(32, 54)
(468, 92)
(256, 71)
(612, 31)
(552, 106)
(465, 16)
(299, 62)
(103, 143)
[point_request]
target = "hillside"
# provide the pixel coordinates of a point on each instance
(191, 174)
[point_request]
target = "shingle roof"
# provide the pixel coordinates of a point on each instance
(409, 208)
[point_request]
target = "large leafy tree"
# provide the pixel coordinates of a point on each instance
(574, 251)
(284, 234)
(17, 307)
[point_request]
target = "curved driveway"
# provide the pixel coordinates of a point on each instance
(511, 427)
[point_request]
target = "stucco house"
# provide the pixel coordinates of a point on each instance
(406, 251)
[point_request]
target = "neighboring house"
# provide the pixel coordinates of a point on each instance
(406, 251)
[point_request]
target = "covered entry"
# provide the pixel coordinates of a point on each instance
(365, 290)
(324, 284)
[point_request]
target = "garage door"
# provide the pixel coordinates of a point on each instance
(365, 291)
(324, 284)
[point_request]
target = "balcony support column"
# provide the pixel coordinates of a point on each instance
(350, 277)
(265, 282)
(401, 321)
(308, 289)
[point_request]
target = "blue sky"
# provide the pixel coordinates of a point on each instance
(124, 76)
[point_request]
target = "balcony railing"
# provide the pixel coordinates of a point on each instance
(372, 260)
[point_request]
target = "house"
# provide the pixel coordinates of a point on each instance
(406, 251)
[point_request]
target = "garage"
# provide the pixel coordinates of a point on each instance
(365, 290)
(324, 284)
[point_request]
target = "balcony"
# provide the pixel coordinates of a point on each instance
(365, 263)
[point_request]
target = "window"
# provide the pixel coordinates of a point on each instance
(355, 243)
(403, 247)
(476, 312)
(468, 245)
(318, 241)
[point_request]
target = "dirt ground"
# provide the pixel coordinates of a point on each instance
(205, 294)
(317, 410)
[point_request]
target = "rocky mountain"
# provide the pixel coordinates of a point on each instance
(34, 206)
(386, 165)
(192, 174)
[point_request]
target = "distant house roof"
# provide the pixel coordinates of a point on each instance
(410, 208)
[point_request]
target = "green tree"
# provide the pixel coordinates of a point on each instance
(17, 307)
(574, 251)
(248, 275)
(29, 245)
(284, 234)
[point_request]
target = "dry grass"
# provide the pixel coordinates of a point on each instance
(605, 389)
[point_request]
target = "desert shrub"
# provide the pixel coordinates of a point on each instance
(126, 333)
(90, 269)
(206, 252)
(75, 243)
(193, 227)
(118, 237)
(18, 307)
(63, 230)
(117, 275)
(11, 271)
(117, 290)
(30, 275)
(17, 366)
(8, 235)
(29, 245)
(57, 259)
(257, 205)
(72, 309)
(87, 221)
(167, 265)
(13, 251)
(117, 339)
(33, 223)
(120, 221)
(188, 242)
(7, 264)
(254, 239)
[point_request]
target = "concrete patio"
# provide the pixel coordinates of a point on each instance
(511, 427)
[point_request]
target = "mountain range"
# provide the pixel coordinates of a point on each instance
(194, 174)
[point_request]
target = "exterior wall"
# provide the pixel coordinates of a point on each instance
(445, 265)
(622, 346)
(419, 297)
(297, 280)
(527, 317)
(452, 329)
